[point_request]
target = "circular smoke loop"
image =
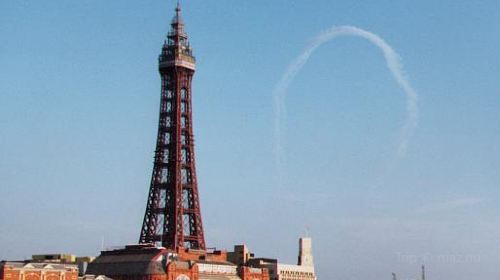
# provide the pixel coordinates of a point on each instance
(394, 64)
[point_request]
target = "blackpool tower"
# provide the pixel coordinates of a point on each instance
(173, 216)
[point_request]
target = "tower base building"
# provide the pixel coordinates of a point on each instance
(148, 262)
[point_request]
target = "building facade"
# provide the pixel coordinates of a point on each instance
(26, 270)
(303, 270)
(148, 262)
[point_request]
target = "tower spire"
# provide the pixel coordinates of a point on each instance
(177, 18)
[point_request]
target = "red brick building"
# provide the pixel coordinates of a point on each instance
(147, 262)
(25, 270)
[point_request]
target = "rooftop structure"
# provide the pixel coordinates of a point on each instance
(305, 252)
(240, 256)
(57, 258)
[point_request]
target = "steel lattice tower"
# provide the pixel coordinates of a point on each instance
(173, 216)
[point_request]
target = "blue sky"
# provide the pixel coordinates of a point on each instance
(79, 96)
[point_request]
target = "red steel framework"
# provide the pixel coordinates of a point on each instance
(173, 216)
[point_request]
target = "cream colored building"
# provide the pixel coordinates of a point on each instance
(294, 272)
(303, 270)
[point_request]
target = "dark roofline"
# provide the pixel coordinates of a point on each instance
(266, 260)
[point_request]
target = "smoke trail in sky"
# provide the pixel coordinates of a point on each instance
(393, 62)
